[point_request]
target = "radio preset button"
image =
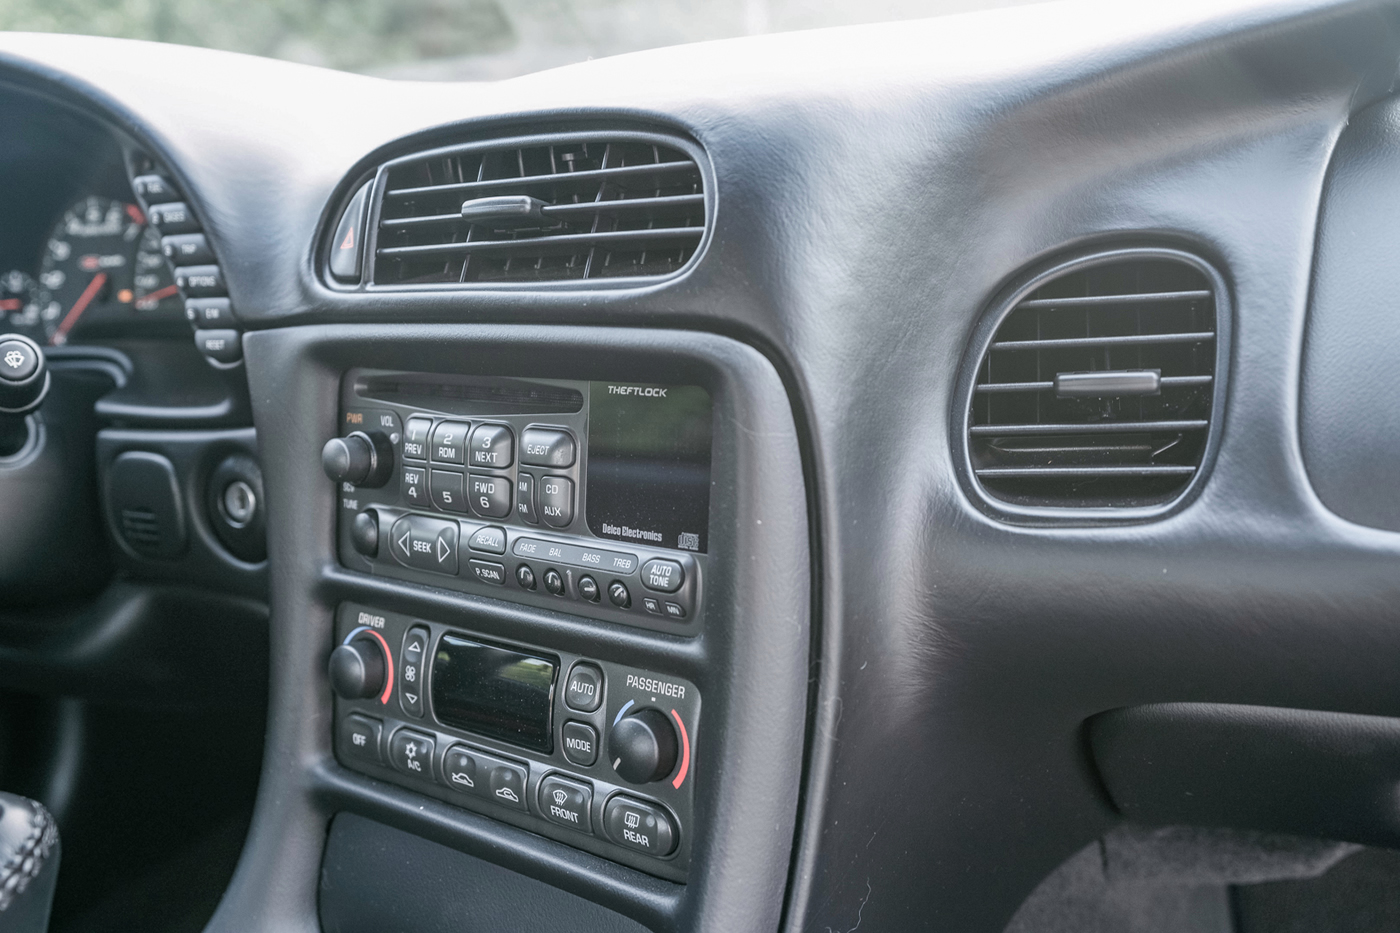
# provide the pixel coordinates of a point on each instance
(415, 438)
(554, 582)
(490, 539)
(525, 498)
(584, 691)
(447, 491)
(415, 486)
(450, 442)
(557, 500)
(412, 753)
(588, 588)
(567, 803)
(580, 744)
(546, 447)
(425, 543)
(415, 647)
(490, 495)
(487, 572)
(618, 595)
(664, 576)
(639, 826)
(492, 447)
(359, 737)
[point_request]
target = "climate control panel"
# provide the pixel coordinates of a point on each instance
(591, 753)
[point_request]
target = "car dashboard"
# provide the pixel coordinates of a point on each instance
(797, 482)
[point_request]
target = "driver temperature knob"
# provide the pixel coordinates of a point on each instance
(24, 375)
(359, 459)
(643, 746)
(358, 668)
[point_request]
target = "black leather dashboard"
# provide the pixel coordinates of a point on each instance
(901, 677)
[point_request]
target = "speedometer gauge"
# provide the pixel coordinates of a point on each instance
(102, 264)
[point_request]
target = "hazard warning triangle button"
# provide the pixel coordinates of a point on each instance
(347, 246)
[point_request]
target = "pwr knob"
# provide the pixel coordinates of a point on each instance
(643, 746)
(358, 668)
(359, 459)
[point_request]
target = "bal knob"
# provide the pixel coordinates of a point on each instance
(358, 459)
(358, 668)
(24, 375)
(643, 746)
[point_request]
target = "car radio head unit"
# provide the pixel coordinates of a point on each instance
(587, 497)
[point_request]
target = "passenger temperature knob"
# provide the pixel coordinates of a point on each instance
(358, 668)
(359, 459)
(643, 746)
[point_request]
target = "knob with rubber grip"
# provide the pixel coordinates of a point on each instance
(359, 459)
(642, 746)
(358, 668)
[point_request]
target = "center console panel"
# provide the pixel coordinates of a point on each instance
(502, 717)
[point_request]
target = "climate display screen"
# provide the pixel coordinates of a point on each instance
(649, 464)
(494, 692)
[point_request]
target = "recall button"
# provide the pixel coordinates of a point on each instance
(489, 539)
(567, 803)
(664, 576)
(639, 826)
(425, 543)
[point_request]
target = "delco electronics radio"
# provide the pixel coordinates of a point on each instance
(591, 497)
(594, 754)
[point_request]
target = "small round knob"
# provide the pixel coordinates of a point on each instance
(364, 533)
(358, 668)
(358, 459)
(643, 746)
(24, 375)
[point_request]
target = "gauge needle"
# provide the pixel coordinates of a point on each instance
(147, 302)
(79, 306)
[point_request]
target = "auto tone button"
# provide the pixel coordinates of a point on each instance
(664, 576)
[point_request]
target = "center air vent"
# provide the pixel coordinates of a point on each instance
(1098, 387)
(568, 207)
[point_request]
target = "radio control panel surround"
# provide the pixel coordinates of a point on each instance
(597, 755)
(585, 497)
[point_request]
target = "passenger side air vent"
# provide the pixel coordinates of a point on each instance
(1098, 386)
(569, 207)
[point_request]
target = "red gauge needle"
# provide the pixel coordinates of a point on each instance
(60, 336)
(147, 302)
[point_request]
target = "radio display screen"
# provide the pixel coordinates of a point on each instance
(649, 464)
(495, 692)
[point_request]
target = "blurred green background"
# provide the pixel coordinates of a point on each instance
(451, 39)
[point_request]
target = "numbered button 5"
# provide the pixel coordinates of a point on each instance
(447, 491)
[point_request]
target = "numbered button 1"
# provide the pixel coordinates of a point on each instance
(490, 495)
(415, 438)
(412, 753)
(415, 648)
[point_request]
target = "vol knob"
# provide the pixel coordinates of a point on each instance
(643, 746)
(358, 668)
(24, 375)
(358, 459)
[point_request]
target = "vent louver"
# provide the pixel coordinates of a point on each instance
(545, 209)
(1097, 388)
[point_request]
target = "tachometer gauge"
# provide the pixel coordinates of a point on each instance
(22, 304)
